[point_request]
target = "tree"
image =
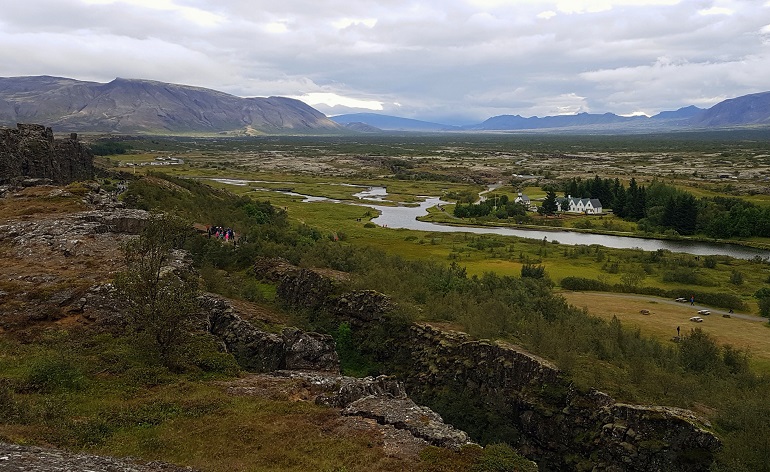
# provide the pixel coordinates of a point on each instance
(632, 277)
(160, 300)
(763, 297)
(549, 204)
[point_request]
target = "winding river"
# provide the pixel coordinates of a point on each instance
(405, 217)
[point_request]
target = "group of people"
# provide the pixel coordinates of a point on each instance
(226, 234)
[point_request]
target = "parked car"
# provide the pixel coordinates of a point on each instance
(704, 312)
(696, 319)
(681, 300)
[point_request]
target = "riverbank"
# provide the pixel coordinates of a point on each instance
(443, 218)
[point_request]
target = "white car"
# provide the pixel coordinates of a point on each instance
(681, 300)
(696, 319)
(704, 312)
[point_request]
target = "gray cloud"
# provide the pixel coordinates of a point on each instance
(450, 60)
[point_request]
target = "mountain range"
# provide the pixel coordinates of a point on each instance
(145, 106)
(748, 110)
(151, 107)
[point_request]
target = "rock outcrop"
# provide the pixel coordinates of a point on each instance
(312, 358)
(559, 426)
(30, 151)
(17, 458)
(259, 351)
(555, 424)
(403, 413)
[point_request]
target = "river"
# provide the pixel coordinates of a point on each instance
(397, 217)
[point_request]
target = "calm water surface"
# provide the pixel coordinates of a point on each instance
(397, 217)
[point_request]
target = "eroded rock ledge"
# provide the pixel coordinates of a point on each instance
(558, 426)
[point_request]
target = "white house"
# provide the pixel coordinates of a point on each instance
(591, 206)
(524, 200)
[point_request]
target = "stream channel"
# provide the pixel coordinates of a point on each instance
(397, 217)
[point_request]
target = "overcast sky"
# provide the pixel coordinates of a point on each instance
(453, 61)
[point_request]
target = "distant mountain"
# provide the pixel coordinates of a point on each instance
(145, 106)
(391, 123)
(751, 109)
(360, 127)
(517, 122)
(685, 113)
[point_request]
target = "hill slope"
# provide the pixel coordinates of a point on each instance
(751, 109)
(131, 105)
(391, 123)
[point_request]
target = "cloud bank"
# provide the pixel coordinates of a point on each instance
(453, 61)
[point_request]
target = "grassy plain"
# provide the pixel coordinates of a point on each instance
(441, 166)
(665, 316)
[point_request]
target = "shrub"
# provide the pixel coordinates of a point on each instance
(581, 284)
(698, 351)
(54, 375)
(533, 271)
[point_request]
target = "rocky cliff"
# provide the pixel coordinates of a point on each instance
(30, 151)
(537, 409)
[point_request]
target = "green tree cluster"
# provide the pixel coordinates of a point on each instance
(497, 205)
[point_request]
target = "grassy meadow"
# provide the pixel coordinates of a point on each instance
(478, 254)
(628, 354)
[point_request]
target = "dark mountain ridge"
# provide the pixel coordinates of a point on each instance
(748, 110)
(146, 106)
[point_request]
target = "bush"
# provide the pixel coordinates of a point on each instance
(582, 284)
(51, 375)
(533, 271)
(698, 352)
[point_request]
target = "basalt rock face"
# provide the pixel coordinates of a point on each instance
(559, 427)
(324, 289)
(259, 351)
(30, 151)
(548, 420)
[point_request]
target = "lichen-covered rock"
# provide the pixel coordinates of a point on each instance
(555, 424)
(350, 389)
(30, 151)
(403, 413)
(362, 306)
(309, 351)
